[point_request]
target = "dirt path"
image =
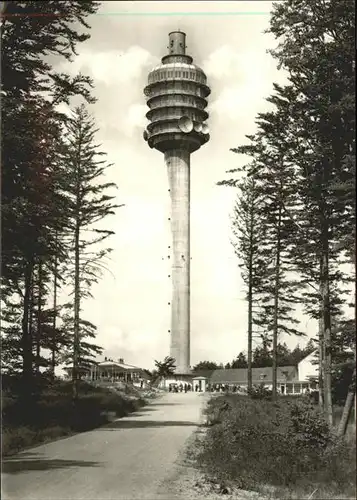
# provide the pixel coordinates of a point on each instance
(131, 458)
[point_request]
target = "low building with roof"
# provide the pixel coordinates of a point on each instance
(238, 378)
(291, 380)
(113, 371)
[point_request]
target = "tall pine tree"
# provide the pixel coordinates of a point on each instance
(88, 203)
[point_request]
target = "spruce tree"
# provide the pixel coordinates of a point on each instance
(316, 47)
(88, 203)
(248, 242)
(275, 181)
(30, 127)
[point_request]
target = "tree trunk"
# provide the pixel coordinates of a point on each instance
(351, 396)
(54, 322)
(355, 257)
(327, 333)
(76, 339)
(321, 354)
(39, 319)
(250, 304)
(26, 334)
(276, 305)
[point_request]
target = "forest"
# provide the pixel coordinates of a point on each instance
(294, 221)
(54, 193)
(294, 218)
(262, 356)
(293, 233)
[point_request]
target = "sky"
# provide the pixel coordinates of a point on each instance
(130, 305)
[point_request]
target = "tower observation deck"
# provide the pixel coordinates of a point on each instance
(176, 95)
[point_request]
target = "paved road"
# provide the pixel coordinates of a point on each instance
(129, 459)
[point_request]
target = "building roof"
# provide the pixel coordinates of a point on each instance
(179, 65)
(259, 375)
(115, 364)
(202, 373)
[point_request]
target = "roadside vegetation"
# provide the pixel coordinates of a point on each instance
(280, 449)
(294, 221)
(56, 194)
(52, 413)
(294, 234)
(56, 200)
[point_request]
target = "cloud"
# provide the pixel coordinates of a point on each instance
(113, 67)
(242, 81)
(135, 118)
(222, 63)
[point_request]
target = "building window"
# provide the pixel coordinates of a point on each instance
(297, 388)
(289, 388)
(313, 384)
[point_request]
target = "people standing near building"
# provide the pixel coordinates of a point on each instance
(185, 388)
(181, 387)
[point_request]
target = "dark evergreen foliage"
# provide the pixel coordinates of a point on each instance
(46, 193)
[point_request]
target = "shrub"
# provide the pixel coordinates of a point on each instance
(307, 426)
(339, 466)
(214, 413)
(284, 444)
(50, 412)
(14, 440)
(260, 392)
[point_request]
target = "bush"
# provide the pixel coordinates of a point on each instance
(260, 392)
(14, 440)
(286, 444)
(308, 427)
(50, 412)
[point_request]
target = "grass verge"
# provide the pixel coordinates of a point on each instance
(48, 412)
(281, 450)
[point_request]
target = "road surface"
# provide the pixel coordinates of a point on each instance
(131, 458)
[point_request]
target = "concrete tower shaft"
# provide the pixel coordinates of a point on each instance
(176, 95)
(178, 169)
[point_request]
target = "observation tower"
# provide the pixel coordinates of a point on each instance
(176, 95)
